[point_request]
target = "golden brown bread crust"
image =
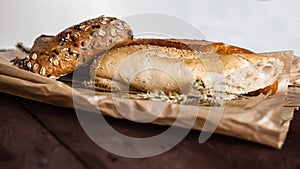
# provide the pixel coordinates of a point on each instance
(198, 45)
(54, 56)
(231, 57)
(216, 47)
(225, 51)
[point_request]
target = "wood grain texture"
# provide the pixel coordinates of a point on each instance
(218, 152)
(24, 143)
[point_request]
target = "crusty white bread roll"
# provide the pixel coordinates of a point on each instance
(184, 65)
(54, 56)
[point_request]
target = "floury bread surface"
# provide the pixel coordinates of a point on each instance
(185, 66)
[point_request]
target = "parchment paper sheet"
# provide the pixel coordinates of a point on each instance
(260, 119)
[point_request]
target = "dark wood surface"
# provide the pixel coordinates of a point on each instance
(38, 135)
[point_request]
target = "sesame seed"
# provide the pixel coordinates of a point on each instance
(50, 60)
(101, 32)
(34, 56)
(35, 66)
(113, 32)
(42, 71)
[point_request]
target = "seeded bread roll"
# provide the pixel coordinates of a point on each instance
(55, 56)
(169, 65)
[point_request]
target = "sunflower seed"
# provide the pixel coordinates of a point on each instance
(34, 56)
(103, 22)
(55, 62)
(35, 66)
(118, 24)
(113, 32)
(101, 33)
(42, 71)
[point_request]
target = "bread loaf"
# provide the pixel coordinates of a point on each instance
(171, 65)
(54, 56)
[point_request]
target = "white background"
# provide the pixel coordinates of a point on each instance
(259, 25)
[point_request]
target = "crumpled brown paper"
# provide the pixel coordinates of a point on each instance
(259, 119)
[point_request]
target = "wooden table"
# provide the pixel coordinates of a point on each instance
(38, 135)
